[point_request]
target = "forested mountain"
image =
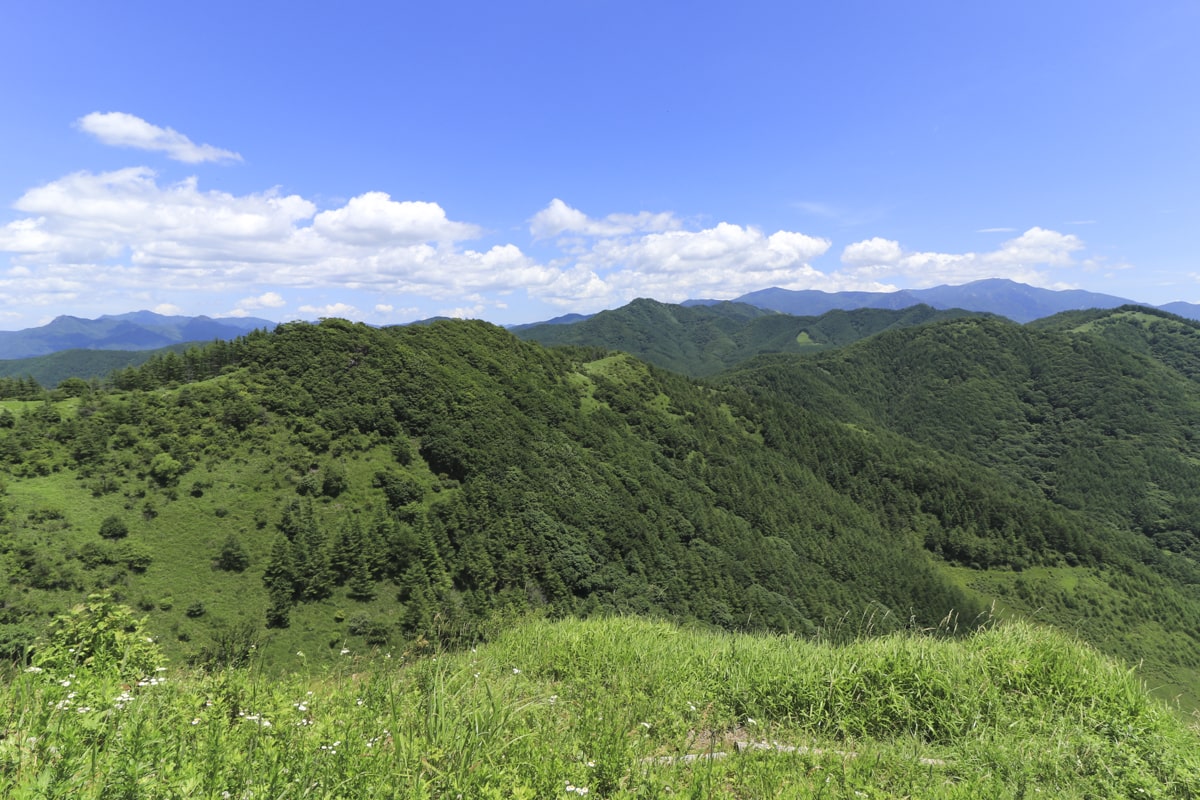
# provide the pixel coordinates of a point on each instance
(332, 483)
(702, 340)
(51, 369)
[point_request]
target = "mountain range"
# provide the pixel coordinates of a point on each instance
(1016, 301)
(138, 330)
(146, 330)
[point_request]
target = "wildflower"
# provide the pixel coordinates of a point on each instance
(345, 650)
(64, 683)
(300, 653)
(195, 720)
(579, 790)
(34, 669)
(516, 671)
(646, 725)
(358, 701)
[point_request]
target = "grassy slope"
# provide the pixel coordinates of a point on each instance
(617, 708)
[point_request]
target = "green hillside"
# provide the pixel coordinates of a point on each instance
(334, 486)
(51, 370)
(704, 340)
(1095, 422)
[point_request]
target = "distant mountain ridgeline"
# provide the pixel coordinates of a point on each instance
(140, 330)
(1016, 301)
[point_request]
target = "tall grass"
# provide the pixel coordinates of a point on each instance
(614, 708)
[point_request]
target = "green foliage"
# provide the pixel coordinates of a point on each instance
(165, 470)
(101, 636)
(233, 556)
(113, 527)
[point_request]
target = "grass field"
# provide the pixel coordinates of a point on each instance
(616, 708)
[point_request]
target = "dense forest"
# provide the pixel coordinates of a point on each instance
(332, 483)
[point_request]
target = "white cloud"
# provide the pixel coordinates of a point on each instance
(559, 218)
(1024, 258)
(342, 310)
(375, 218)
(167, 309)
(264, 300)
(179, 238)
(721, 262)
(872, 252)
(125, 130)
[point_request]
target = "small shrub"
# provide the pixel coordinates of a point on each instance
(113, 527)
(100, 634)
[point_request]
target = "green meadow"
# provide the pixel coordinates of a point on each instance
(611, 708)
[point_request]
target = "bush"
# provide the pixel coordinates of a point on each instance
(113, 527)
(100, 635)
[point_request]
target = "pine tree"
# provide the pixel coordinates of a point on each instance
(279, 578)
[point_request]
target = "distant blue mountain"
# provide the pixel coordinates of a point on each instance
(138, 330)
(1017, 301)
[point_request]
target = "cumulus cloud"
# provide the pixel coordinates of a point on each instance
(134, 231)
(721, 262)
(871, 252)
(342, 310)
(1025, 258)
(559, 218)
(264, 300)
(375, 218)
(125, 130)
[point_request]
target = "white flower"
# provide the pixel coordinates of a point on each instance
(516, 671)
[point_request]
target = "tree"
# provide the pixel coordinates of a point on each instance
(400, 490)
(233, 556)
(165, 470)
(113, 527)
(279, 578)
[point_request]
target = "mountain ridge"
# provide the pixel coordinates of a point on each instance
(136, 330)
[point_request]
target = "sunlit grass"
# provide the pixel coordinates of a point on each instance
(614, 708)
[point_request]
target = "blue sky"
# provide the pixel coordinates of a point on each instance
(516, 161)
